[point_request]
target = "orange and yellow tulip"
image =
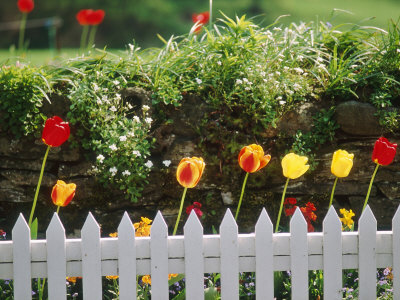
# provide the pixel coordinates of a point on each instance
(63, 193)
(251, 158)
(189, 171)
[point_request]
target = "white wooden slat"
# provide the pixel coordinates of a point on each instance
(21, 236)
(264, 257)
(194, 261)
(229, 257)
(299, 256)
(367, 258)
(332, 258)
(396, 254)
(91, 258)
(126, 259)
(56, 259)
(159, 258)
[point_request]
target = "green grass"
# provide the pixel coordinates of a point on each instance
(39, 57)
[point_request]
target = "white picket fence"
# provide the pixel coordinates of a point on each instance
(194, 254)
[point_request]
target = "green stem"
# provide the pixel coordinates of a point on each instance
(280, 208)
(58, 208)
(333, 191)
(22, 31)
(41, 288)
(91, 37)
(180, 211)
(38, 186)
(210, 20)
(370, 186)
(84, 35)
(241, 195)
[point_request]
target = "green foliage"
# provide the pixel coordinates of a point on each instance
(322, 131)
(117, 132)
(22, 89)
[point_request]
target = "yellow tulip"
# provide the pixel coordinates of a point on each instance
(342, 162)
(294, 165)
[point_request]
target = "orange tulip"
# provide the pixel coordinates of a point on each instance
(63, 193)
(189, 171)
(251, 158)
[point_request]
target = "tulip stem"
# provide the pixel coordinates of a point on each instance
(22, 31)
(281, 207)
(241, 195)
(333, 191)
(38, 186)
(210, 20)
(84, 35)
(180, 211)
(58, 208)
(370, 186)
(92, 37)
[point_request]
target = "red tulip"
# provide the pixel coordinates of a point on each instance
(55, 132)
(95, 17)
(200, 19)
(25, 6)
(196, 207)
(384, 152)
(82, 16)
(63, 193)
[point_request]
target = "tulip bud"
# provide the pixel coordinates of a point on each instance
(55, 132)
(251, 158)
(384, 152)
(63, 193)
(189, 171)
(342, 162)
(25, 6)
(294, 166)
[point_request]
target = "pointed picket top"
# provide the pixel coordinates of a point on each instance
(126, 226)
(332, 255)
(159, 223)
(367, 219)
(331, 220)
(194, 257)
(126, 259)
(396, 254)
(299, 255)
(297, 219)
(264, 257)
(22, 259)
(56, 259)
(367, 227)
(264, 222)
(21, 227)
(159, 258)
(90, 224)
(193, 222)
(228, 222)
(55, 226)
(396, 218)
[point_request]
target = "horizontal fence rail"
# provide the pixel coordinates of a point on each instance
(194, 254)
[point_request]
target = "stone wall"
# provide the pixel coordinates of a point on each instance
(20, 163)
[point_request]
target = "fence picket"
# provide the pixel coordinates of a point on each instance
(159, 258)
(126, 259)
(56, 259)
(21, 236)
(194, 258)
(332, 228)
(396, 254)
(299, 256)
(367, 257)
(229, 248)
(91, 259)
(264, 258)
